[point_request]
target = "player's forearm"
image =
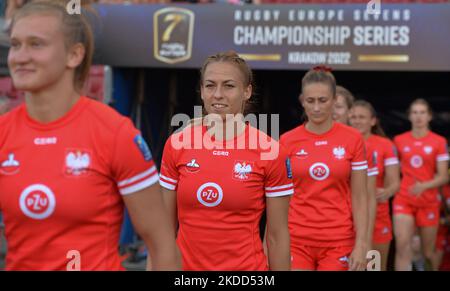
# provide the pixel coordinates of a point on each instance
(391, 180)
(278, 246)
(438, 181)
(391, 189)
(372, 206)
(360, 216)
(164, 258)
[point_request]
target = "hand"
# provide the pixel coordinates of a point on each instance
(417, 188)
(381, 195)
(358, 260)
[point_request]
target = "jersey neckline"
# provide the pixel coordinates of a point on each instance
(228, 142)
(68, 117)
(420, 138)
(333, 128)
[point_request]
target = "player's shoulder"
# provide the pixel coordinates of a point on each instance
(185, 138)
(260, 137)
(105, 117)
(7, 119)
(383, 141)
(438, 138)
(291, 135)
(402, 136)
(346, 132)
(255, 132)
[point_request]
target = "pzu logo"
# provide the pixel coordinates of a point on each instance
(37, 201)
(210, 194)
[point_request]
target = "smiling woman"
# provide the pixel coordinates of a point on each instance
(217, 193)
(62, 196)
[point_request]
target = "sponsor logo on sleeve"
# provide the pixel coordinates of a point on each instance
(143, 147)
(288, 168)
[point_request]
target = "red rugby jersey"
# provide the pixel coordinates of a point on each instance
(61, 185)
(221, 195)
(418, 162)
(321, 208)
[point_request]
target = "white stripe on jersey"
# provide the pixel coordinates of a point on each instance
(359, 168)
(137, 177)
(280, 193)
(166, 185)
(359, 163)
(391, 161)
(372, 172)
(139, 186)
(291, 185)
(168, 179)
(443, 157)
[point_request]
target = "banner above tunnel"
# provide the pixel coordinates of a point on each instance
(398, 37)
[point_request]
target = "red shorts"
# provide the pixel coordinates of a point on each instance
(441, 239)
(382, 232)
(427, 215)
(320, 258)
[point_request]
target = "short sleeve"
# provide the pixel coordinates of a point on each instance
(132, 167)
(442, 154)
(390, 155)
(278, 180)
(359, 160)
(169, 172)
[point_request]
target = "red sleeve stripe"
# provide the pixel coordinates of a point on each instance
(140, 185)
(391, 161)
(133, 179)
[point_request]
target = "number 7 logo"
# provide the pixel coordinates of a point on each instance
(173, 31)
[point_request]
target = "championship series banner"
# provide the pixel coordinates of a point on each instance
(411, 37)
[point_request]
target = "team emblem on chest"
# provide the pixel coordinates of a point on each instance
(242, 170)
(192, 166)
(427, 149)
(339, 152)
(77, 162)
(301, 154)
(10, 166)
